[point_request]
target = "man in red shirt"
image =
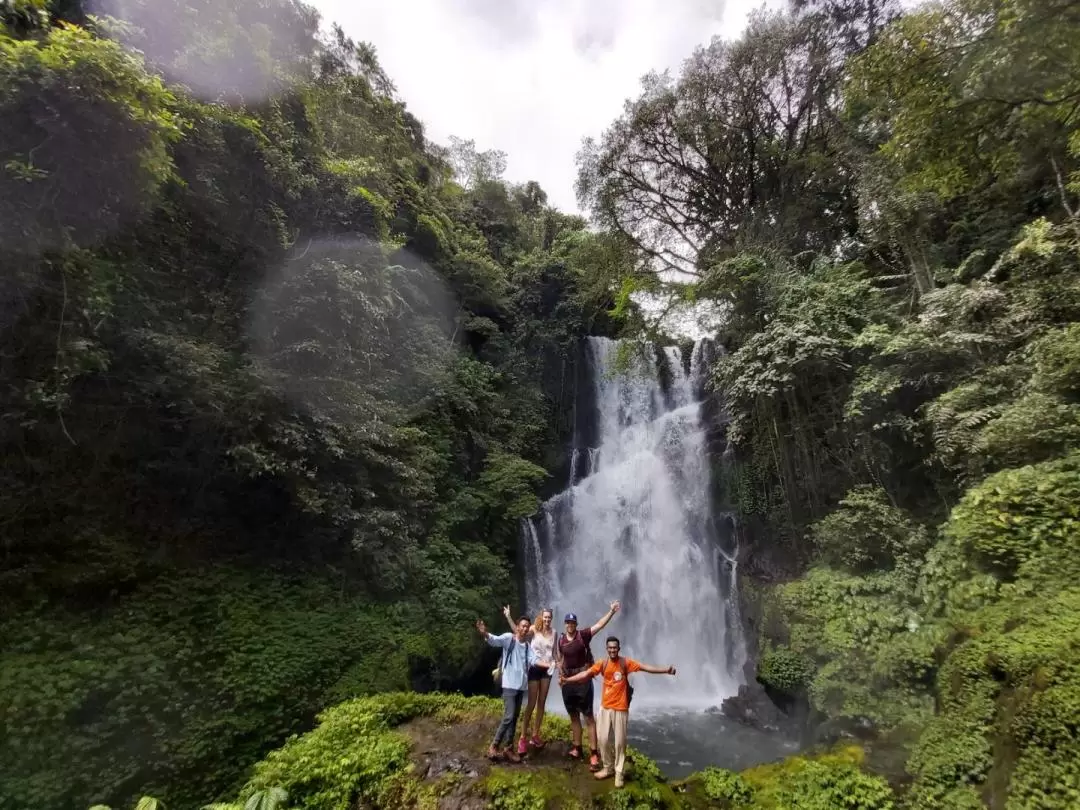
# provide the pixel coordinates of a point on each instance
(614, 704)
(573, 655)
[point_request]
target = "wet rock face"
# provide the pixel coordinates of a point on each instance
(836, 729)
(438, 764)
(753, 707)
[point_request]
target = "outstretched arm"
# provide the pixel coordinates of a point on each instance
(600, 625)
(656, 670)
(581, 676)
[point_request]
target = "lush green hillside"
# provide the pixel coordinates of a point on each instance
(279, 376)
(899, 253)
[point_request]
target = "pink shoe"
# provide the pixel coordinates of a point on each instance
(536, 742)
(522, 748)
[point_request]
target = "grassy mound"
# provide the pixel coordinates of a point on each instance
(404, 750)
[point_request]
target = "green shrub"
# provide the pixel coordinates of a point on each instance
(785, 670)
(1055, 358)
(1009, 698)
(1035, 427)
(873, 653)
(726, 788)
(826, 782)
(354, 750)
(1024, 522)
(868, 532)
(514, 791)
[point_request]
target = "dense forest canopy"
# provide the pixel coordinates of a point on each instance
(280, 377)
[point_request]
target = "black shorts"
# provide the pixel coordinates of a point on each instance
(539, 674)
(578, 698)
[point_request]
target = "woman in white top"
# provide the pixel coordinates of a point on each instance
(541, 638)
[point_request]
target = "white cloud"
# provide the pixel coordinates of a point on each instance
(530, 77)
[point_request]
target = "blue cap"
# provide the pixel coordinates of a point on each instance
(570, 617)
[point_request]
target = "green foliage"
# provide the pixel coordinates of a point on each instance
(144, 803)
(868, 532)
(784, 670)
(725, 788)
(1002, 72)
(872, 652)
(1006, 693)
(514, 791)
(1023, 523)
(65, 96)
(824, 782)
(345, 758)
(270, 799)
(203, 669)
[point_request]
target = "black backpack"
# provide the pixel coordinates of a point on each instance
(626, 677)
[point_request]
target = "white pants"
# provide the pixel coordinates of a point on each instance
(610, 723)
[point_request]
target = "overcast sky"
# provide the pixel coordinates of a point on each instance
(530, 77)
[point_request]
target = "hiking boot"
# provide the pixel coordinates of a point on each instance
(602, 774)
(512, 757)
(493, 753)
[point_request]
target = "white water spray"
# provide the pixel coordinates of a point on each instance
(638, 527)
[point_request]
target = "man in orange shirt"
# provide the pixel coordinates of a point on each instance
(614, 704)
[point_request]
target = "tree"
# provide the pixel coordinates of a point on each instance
(743, 150)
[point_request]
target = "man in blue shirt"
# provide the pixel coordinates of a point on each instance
(517, 657)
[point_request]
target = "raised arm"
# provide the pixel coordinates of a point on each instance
(600, 625)
(494, 641)
(512, 624)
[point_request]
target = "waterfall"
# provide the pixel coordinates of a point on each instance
(636, 524)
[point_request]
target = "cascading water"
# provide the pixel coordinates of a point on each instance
(635, 524)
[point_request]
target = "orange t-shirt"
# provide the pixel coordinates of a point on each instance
(614, 696)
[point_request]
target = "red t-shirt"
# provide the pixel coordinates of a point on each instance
(575, 652)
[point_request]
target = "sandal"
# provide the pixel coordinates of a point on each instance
(594, 763)
(575, 752)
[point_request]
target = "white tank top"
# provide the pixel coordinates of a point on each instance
(543, 646)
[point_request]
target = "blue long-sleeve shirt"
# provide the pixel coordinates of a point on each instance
(517, 657)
